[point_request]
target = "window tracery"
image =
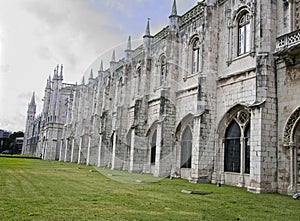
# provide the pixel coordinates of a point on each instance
(237, 144)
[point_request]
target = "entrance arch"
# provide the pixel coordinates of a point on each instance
(291, 138)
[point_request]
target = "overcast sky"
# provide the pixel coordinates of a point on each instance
(36, 35)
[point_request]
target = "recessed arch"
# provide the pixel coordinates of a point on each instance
(228, 116)
(290, 126)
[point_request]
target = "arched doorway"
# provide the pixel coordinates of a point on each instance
(292, 141)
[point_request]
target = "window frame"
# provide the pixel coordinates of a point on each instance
(195, 56)
(244, 34)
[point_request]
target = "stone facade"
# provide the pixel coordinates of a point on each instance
(212, 97)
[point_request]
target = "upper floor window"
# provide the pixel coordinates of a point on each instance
(163, 70)
(139, 73)
(195, 56)
(244, 33)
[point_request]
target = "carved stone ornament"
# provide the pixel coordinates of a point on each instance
(289, 127)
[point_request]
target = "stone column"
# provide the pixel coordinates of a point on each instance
(66, 149)
(157, 170)
(88, 150)
(100, 163)
(195, 170)
(293, 169)
(242, 162)
(222, 154)
(79, 151)
(72, 150)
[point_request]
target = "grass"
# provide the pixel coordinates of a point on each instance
(32, 189)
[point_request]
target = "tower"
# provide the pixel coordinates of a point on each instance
(147, 39)
(174, 19)
(31, 111)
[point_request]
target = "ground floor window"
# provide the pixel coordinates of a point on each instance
(237, 145)
(186, 148)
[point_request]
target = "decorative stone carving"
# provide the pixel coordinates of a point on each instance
(288, 130)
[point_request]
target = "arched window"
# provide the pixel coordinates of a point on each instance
(139, 73)
(153, 147)
(195, 56)
(163, 70)
(244, 34)
(232, 148)
(186, 148)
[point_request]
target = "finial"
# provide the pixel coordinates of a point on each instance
(101, 66)
(54, 74)
(83, 81)
(148, 28)
(61, 70)
(91, 74)
(113, 57)
(48, 85)
(129, 43)
(32, 102)
(174, 8)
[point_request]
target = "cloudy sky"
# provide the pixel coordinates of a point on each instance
(36, 35)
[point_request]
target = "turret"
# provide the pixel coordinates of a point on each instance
(147, 39)
(101, 72)
(29, 124)
(91, 78)
(174, 19)
(128, 50)
(113, 62)
(47, 95)
(32, 106)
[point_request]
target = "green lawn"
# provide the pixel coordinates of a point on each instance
(32, 189)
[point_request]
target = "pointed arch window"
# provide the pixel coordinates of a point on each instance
(237, 145)
(186, 148)
(163, 70)
(195, 56)
(244, 34)
(153, 148)
(232, 148)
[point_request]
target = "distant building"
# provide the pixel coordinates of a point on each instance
(213, 97)
(18, 144)
(4, 133)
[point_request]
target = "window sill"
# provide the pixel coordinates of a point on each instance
(190, 76)
(240, 57)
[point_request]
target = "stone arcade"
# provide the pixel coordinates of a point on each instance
(214, 97)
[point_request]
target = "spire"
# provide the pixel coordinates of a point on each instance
(61, 71)
(113, 57)
(32, 102)
(91, 74)
(83, 81)
(48, 85)
(174, 9)
(147, 34)
(57, 69)
(129, 43)
(54, 74)
(101, 66)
